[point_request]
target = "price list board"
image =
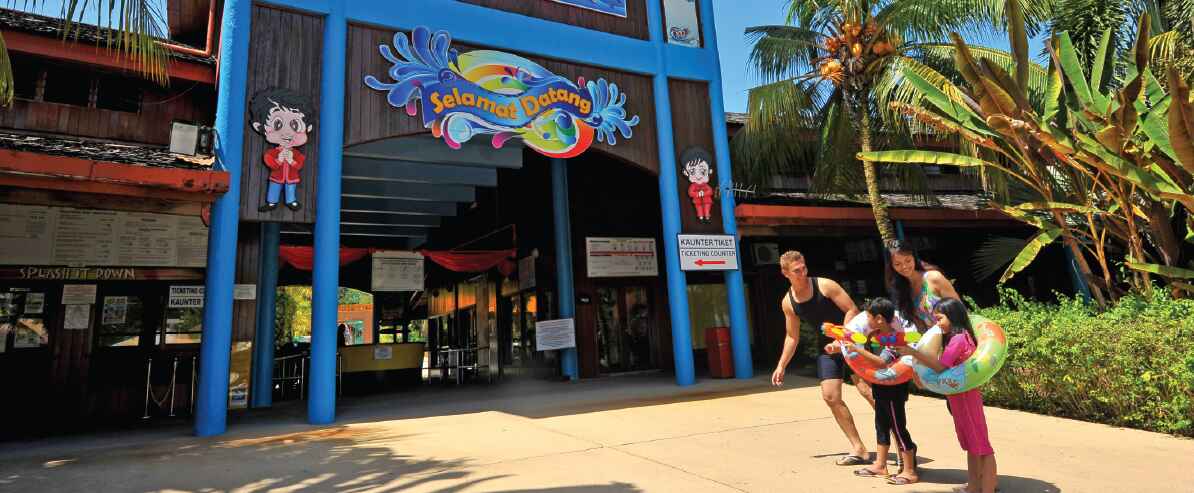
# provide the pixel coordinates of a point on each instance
(37, 235)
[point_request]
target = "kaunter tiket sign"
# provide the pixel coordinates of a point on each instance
(708, 252)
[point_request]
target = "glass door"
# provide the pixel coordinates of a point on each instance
(624, 327)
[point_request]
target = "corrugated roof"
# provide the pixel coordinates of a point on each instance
(94, 150)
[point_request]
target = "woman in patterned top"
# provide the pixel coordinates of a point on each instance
(915, 287)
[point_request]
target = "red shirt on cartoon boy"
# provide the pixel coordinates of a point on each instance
(284, 164)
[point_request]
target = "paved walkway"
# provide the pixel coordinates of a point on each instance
(617, 435)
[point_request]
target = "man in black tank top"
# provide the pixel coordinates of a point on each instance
(816, 301)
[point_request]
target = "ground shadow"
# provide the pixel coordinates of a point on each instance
(1007, 484)
(891, 458)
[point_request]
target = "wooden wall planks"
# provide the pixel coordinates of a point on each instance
(369, 116)
(633, 25)
(287, 50)
(691, 127)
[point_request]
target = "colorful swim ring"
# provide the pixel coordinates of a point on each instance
(988, 358)
(853, 332)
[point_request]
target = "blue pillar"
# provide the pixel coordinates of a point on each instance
(899, 230)
(211, 398)
(262, 394)
(325, 286)
(735, 288)
(563, 231)
(669, 198)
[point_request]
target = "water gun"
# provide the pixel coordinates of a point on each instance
(896, 339)
(843, 334)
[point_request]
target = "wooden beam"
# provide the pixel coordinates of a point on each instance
(27, 163)
(368, 219)
(427, 149)
(90, 54)
(415, 172)
(60, 198)
(102, 188)
(397, 206)
(407, 191)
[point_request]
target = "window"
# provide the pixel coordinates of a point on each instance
(183, 326)
(118, 94)
(27, 75)
(67, 85)
(121, 321)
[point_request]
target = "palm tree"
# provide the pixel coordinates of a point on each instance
(831, 72)
(1171, 32)
(131, 27)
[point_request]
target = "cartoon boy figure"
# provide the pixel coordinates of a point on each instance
(698, 171)
(285, 119)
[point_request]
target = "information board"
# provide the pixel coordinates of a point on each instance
(397, 271)
(555, 334)
(621, 257)
(186, 297)
(708, 252)
(39, 235)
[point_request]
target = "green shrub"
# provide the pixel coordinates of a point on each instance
(1131, 365)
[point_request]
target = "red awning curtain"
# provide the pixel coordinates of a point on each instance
(474, 261)
(303, 258)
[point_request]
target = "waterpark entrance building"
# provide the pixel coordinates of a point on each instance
(526, 188)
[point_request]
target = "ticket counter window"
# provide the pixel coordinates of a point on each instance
(121, 321)
(183, 326)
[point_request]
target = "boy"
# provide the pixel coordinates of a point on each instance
(284, 118)
(889, 399)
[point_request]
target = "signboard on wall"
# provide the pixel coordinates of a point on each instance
(466, 95)
(683, 25)
(555, 334)
(612, 7)
(397, 271)
(186, 297)
(708, 252)
(41, 235)
(621, 257)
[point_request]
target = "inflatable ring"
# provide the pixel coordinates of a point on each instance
(988, 358)
(899, 372)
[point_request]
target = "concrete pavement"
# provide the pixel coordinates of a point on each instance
(617, 435)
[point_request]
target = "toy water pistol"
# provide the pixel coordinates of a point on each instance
(896, 339)
(843, 334)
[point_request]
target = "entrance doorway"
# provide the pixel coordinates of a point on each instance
(625, 326)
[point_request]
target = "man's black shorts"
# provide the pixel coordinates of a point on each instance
(831, 366)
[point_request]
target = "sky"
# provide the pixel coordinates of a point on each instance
(732, 17)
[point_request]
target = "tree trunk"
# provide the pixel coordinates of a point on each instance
(871, 173)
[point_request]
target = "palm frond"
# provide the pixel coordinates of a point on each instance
(939, 54)
(933, 20)
(781, 52)
(891, 87)
(779, 137)
(837, 169)
(994, 255)
(132, 28)
(6, 80)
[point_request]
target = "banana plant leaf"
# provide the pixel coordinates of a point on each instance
(1030, 251)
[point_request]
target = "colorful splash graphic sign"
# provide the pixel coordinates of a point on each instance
(500, 95)
(615, 7)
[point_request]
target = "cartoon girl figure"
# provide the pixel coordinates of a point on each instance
(285, 119)
(698, 171)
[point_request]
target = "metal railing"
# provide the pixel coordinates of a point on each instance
(291, 371)
(171, 392)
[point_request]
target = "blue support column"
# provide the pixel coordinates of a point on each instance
(669, 198)
(321, 398)
(735, 288)
(1080, 287)
(563, 232)
(262, 394)
(211, 398)
(899, 225)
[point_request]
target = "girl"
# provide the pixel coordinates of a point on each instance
(915, 286)
(967, 408)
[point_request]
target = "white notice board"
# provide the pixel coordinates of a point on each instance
(186, 297)
(555, 334)
(621, 257)
(39, 235)
(708, 252)
(397, 271)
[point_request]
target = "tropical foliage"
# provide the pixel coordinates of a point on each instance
(829, 75)
(1104, 163)
(131, 27)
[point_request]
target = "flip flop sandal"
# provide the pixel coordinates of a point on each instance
(899, 481)
(867, 473)
(852, 460)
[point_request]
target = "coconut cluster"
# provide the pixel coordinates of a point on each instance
(851, 47)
